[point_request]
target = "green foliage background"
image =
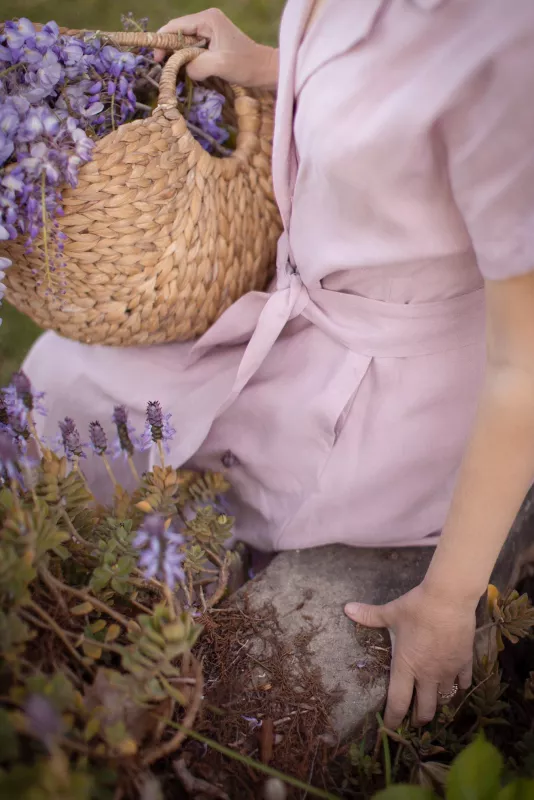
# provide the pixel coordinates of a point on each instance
(259, 18)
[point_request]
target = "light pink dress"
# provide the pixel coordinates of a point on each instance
(404, 172)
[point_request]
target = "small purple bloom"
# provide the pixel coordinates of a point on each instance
(42, 719)
(160, 556)
(70, 438)
(126, 439)
(9, 455)
(9, 120)
(16, 33)
(49, 73)
(159, 426)
(23, 388)
(98, 438)
(6, 148)
(47, 36)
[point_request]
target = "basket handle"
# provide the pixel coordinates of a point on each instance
(169, 74)
(156, 41)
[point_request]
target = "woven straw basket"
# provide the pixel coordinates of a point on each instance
(161, 237)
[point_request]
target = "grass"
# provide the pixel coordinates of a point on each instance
(259, 18)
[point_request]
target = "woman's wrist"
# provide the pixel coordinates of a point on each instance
(446, 580)
(265, 69)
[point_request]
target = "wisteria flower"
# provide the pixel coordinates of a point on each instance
(18, 32)
(58, 95)
(47, 36)
(160, 556)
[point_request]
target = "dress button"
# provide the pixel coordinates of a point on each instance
(229, 459)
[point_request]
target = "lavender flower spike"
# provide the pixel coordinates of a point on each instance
(98, 438)
(71, 439)
(124, 430)
(158, 424)
(160, 556)
(23, 388)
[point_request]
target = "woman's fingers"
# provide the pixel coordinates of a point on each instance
(426, 702)
(400, 694)
(465, 676)
(192, 25)
(368, 616)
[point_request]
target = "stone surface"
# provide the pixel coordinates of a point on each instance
(309, 588)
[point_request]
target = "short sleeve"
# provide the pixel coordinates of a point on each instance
(489, 136)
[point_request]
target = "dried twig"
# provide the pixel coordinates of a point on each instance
(222, 583)
(223, 151)
(89, 598)
(59, 633)
(196, 786)
(173, 744)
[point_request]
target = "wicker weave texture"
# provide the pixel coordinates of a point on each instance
(161, 236)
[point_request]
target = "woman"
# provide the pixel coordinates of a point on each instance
(361, 401)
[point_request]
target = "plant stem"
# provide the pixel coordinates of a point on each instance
(45, 231)
(249, 762)
(9, 69)
(59, 633)
(223, 151)
(133, 469)
(385, 748)
(173, 744)
(161, 453)
(33, 431)
(107, 465)
(88, 598)
(222, 584)
(152, 81)
(74, 533)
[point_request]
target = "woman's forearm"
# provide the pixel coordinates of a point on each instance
(267, 67)
(497, 471)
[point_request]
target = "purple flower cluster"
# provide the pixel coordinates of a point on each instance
(57, 93)
(17, 402)
(205, 114)
(161, 556)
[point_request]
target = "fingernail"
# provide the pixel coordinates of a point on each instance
(352, 608)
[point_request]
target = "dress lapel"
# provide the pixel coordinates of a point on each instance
(327, 38)
(292, 29)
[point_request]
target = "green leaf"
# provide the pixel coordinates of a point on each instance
(82, 608)
(475, 773)
(9, 743)
(518, 790)
(100, 579)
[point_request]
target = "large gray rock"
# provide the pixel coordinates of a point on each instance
(308, 589)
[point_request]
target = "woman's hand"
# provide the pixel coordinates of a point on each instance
(231, 54)
(433, 638)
